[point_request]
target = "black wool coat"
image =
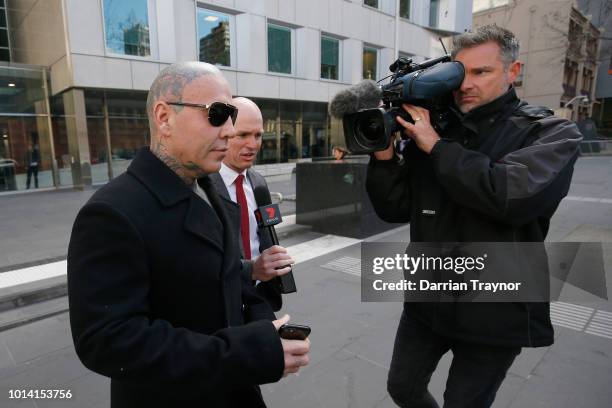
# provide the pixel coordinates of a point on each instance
(157, 298)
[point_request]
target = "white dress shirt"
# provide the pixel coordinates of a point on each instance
(201, 193)
(229, 177)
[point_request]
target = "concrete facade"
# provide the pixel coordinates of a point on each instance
(69, 38)
(559, 47)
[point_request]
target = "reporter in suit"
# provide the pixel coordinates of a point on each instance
(157, 298)
(236, 181)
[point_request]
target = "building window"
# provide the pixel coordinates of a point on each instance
(480, 5)
(587, 81)
(128, 129)
(371, 3)
(404, 9)
(126, 23)
(214, 37)
(592, 44)
(294, 130)
(5, 54)
(434, 10)
(330, 57)
(25, 153)
(279, 49)
(370, 57)
(570, 78)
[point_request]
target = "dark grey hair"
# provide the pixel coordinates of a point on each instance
(508, 43)
(170, 82)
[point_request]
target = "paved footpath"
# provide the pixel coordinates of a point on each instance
(352, 340)
(36, 225)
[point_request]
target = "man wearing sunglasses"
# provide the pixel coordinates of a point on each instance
(158, 301)
(237, 181)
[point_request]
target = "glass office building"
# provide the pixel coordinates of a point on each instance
(74, 75)
(26, 145)
(32, 122)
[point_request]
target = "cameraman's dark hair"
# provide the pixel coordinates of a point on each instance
(508, 43)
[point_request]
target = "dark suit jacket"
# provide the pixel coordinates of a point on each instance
(269, 290)
(157, 298)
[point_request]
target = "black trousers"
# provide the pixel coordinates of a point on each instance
(32, 170)
(475, 374)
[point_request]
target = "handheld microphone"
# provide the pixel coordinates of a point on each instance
(268, 215)
(364, 95)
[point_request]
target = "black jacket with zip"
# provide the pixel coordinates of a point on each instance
(497, 175)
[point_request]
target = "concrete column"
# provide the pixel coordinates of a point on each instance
(298, 133)
(109, 154)
(45, 140)
(278, 138)
(54, 166)
(78, 140)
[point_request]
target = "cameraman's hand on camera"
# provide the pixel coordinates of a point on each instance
(264, 267)
(296, 351)
(423, 134)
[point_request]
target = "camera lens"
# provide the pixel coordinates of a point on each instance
(371, 127)
(366, 131)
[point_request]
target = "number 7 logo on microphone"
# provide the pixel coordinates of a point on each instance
(268, 215)
(271, 212)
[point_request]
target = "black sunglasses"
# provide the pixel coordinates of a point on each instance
(218, 112)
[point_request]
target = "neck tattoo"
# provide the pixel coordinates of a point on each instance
(185, 172)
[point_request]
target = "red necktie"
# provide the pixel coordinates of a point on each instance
(244, 217)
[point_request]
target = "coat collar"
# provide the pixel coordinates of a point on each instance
(158, 178)
(490, 112)
(200, 219)
(496, 105)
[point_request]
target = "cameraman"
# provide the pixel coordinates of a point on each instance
(497, 174)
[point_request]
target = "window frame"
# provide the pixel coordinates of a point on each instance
(3, 10)
(487, 7)
(377, 65)
(291, 51)
(152, 24)
(409, 18)
(372, 7)
(232, 30)
(339, 40)
(434, 19)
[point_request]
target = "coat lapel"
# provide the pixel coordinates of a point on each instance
(232, 208)
(229, 218)
(228, 212)
(170, 190)
(231, 222)
(219, 184)
(203, 222)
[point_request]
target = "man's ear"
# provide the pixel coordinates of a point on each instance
(162, 113)
(514, 70)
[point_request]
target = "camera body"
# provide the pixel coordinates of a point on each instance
(429, 84)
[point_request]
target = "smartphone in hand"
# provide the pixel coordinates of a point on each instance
(294, 332)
